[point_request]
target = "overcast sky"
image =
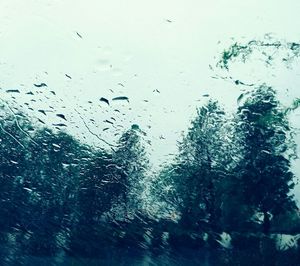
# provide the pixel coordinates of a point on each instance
(157, 53)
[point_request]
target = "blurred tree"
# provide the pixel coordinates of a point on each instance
(132, 165)
(164, 197)
(97, 190)
(263, 179)
(14, 141)
(200, 168)
(50, 179)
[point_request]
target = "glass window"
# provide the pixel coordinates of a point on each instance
(149, 132)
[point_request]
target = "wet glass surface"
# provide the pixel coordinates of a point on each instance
(149, 133)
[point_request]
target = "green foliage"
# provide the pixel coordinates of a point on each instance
(268, 48)
(132, 164)
(263, 174)
(59, 193)
(199, 168)
(295, 105)
(13, 163)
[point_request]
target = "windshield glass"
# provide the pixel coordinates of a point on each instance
(149, 132)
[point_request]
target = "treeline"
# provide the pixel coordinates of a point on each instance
(232, 174)
(55, 192)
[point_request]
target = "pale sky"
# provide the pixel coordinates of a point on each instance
(134, 48)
